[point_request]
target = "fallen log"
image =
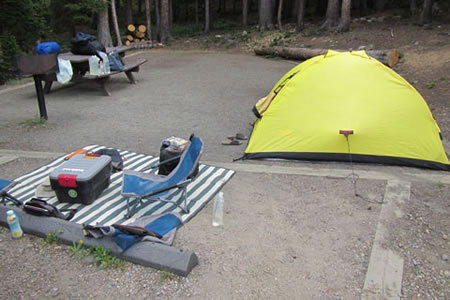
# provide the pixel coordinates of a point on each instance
(388, 57)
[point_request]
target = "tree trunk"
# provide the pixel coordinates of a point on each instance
(170, 15)
(197, 21)
(158, 19)
(165, 21)
(280, 10)
(379, 6)
(344, 23)
(332, 16)
(425, 17)
(413, 7)
(245, 12)
(363, 8)
(115, 23)
(207, 16)
(103, 33)
(148, 19)
(265, 15)
(129, 12)
(387, 57)
(300, 16)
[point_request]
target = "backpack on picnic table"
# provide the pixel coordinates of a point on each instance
(86, 44)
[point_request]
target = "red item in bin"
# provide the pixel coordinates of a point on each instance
(67, 180)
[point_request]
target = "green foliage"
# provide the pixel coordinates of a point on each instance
(166, 275)
(104, 258)
(38, 120)
(76, 248)
(51, 238)
(67, 15)
(8, 49)
(22, 25)
(431, 84)
(276, 41)
(24, 20)
(186, 30)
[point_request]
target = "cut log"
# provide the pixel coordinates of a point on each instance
(142, 28)
(127, 42)
(131, 28)
(130, 37)
(140, 34)
(388, 57)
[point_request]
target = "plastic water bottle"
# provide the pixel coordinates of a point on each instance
(217, 219)
(94, 65)
(13, 222)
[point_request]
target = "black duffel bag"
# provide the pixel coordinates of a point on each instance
(86, 44)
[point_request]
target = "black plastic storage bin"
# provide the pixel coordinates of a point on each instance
(171, 148)
(82, 178)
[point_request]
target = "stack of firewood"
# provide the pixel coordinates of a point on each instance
(136, 37)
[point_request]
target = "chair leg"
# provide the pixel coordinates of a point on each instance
(131, 211)
(7, 197)
(184, 197)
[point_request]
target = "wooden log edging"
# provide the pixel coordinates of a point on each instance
(388, 57)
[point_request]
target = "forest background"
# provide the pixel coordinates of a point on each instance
(27, 22)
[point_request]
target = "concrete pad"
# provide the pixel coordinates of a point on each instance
(7, 159)
(158, 256)
(385, 271)
(340, 171)
(31, 154)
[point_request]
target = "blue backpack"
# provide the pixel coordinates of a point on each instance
(48, 48)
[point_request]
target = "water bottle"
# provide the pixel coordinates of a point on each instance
(13, 222)
(94, 65)
(217, 219)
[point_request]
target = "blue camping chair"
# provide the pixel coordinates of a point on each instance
(148, 186)
(5, 186)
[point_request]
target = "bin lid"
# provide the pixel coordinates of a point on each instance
(85, 167)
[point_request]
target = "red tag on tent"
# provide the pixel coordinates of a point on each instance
(345, 132)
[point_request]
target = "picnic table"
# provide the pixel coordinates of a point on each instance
(80, 66)
(44, 68)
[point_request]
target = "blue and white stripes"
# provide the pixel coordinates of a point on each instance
(110, 207)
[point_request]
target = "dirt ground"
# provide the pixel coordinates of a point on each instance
(311, 239)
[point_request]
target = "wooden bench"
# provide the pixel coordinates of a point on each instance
(129, 68)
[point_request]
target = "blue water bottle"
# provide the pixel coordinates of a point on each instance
(13, 222)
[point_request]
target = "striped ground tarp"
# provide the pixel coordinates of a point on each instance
(110, 207)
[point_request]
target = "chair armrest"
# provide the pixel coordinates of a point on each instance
(163, 162)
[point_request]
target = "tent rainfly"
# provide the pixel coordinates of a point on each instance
(346, 107)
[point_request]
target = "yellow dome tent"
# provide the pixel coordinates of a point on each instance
(338, 104)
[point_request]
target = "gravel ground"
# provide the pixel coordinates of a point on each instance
(311, 238)
(422, 238)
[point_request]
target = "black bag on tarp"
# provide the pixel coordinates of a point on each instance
(169, 155)
(116, 158)
(86, 44)
(39, 207)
